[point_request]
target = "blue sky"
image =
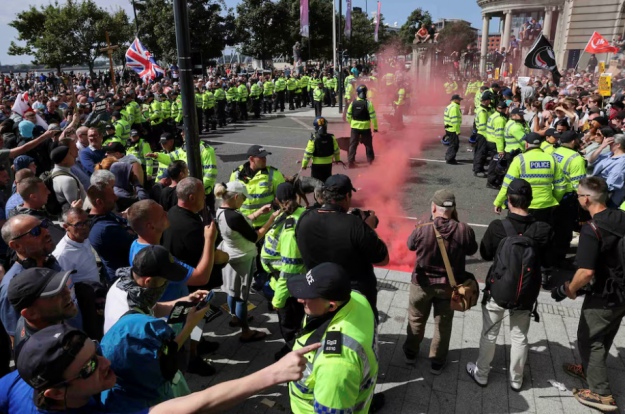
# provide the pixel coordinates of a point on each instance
(393, 11)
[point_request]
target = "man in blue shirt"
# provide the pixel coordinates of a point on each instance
(611, 167)
(92, 155)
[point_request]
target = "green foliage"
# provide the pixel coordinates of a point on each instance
(261, 26)
(68, 34)
(409, 29)
(456, 36)
(362, 41)
(320, 17)
(211, 28)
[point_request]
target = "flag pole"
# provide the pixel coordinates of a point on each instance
(334, 33)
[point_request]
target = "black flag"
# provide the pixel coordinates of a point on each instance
(541, 56)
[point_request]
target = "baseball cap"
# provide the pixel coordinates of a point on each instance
(115, 147)
(329, 281)
(456, 97)
(502, 105)
(257, 151)
(109, 126)
(237, 187)
(487, 96)
(134, 132)
(567, 136)
(42, 359)
(118, 103)
(58, 154)
(533, 138)
(340, 183)
(156, 261)
(116, 114)
(444, 198)
(520, 187)
(551, 132)
(35, 283)
(517, 111)
(285, 191)
(23, 161)
(166, 136)
(54, 127)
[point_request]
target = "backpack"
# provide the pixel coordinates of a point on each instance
(614, 290)
(53, 207)
(514, 279)
(360, 110)
(324, 145)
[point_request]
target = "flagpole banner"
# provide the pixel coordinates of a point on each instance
(599, 44)
(304, 30)
(377, 21)
(348, 19)
(141, 61)
(541, 56)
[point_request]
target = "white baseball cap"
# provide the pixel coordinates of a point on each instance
(237, 187)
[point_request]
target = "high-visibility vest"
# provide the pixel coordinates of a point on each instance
(573, 167)
(481, 120)
(268, 88)
(122, 130)
(261, 189)
(155, 113)
(356, 124)
(513, 136)
(452, 118)
(495, 127)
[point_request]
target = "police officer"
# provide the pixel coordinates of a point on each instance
(312, 85)
(281, 257)
(400, 104)
(243, 96)
(516, 128)
(481, 145)
(323, 149)
(139, 148)
(122, 126)
(318, 96)
(341, 376)
(166, 111)
(268, 91)
(111, 134)
(176, 109)
(155, 116)
(220, 99)
(350, 93)
(495, 128)
(261, 182)
(280, 89)
(209, 108)
(291, 86)
(453, 120)
(573, 167)
(304, 83)
(232, 97)
(164, 157)
(360, 115)
(255, 95)
(199, 107)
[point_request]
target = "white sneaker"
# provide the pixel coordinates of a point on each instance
(472, 370)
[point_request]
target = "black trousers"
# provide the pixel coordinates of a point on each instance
(291, 96)
(221, 113)
(200, 117)
(321, 171)
(243, 110)
(305, 97)
(564, 218)
(358, 136)
(290, 317)
(256, 107)
(298, 100)
(232, 111)
(546, 216)
(454, 145)
(279, 102)
(483, 149)
(267, 104)
(318, 105)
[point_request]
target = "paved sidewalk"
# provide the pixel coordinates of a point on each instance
(413, 389)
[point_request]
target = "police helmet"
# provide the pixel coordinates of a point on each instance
(320, 124)
(361, 91)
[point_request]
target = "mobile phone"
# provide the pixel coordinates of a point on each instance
(204, 302)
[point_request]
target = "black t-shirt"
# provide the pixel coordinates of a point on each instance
(540, 232)
(168, 198)
(185, 236)
(236, 221)
(597, 250)
(326, 235)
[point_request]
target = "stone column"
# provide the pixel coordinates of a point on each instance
(547, 22)
(507, 27)
(484, 49)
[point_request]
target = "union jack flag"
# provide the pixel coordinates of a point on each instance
(141, 61)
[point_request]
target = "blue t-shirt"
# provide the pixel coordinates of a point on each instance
(17, 397)
(174, 290)
(111, 237)
(89, 158)
(13, 201)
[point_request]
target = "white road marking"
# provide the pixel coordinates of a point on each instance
(302, 123)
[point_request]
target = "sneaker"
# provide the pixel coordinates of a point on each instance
(493, 187)
(575, 370)
(200, 367)
(410, 359)
(377, 402)
(207, 347)
(546, 281)
(452, 162)
(436, 368)
(471, 370)
(605, 403)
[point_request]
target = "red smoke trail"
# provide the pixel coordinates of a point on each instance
(382, 184)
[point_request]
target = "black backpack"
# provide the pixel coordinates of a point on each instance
(614, 290)
(360, 110)
(514, 279)
(53, 207)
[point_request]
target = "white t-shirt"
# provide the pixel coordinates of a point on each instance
(72, 255)
(116, 306)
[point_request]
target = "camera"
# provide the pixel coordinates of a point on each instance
(364, 215)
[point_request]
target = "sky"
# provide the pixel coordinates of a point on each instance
(393, 11)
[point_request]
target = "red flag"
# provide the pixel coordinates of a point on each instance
(599, 44)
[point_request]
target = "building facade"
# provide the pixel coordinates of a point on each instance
(568, 24)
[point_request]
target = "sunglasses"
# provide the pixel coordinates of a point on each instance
(80, 224)
(35, 231)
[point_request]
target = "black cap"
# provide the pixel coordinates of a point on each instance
(495, 85)
(257, 151)
(340, 183)
(519, 186)
(502, 105)
(533, 138)
(329, 281)
(117, 114)
(285, 191)
(42, 358)
(487, 96)
(551, 132)
(568, 136)
(517, 111)
(34, 283)
(456, 97)
(134, 132)
(166, 136)
(115, 147)
(156, 261)
(109, 126)
(118, 103)
(602, 120)
(58, 154)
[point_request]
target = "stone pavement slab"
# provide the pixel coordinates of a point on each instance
(412, 388)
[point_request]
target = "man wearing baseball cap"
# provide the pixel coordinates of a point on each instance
(453, 121)
(261, 182)
(42, 297)
(63, 371)
(518, 221)
(341, 376)
(515, 130)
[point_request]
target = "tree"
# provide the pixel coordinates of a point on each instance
(211, 28)
(261, 27)
(409, 29)
(362, 41)
(319, 45)
(456, 36)
(69, 34)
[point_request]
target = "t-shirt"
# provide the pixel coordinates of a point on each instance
(17, 397)
(23, 331)
(168, 198)
(174, 290)
(72, 255)
(239, 236)
(185, 236)
(111, 238)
